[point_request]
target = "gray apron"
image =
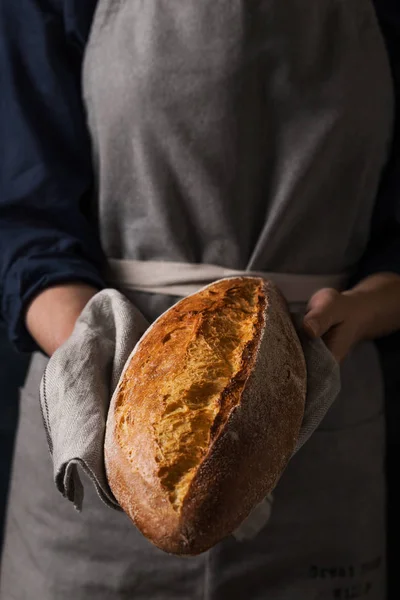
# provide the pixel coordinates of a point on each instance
(250, 135)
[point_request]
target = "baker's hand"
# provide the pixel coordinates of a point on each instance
(369, 310)
(52, 314)
(336, 318)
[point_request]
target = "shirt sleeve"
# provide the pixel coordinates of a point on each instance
(45, 167)
(383, 251)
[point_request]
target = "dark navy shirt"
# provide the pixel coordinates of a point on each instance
(46, 178)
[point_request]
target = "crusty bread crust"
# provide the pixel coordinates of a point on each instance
(206, 414)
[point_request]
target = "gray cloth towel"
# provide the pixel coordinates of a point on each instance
(323, 386)
(82, 374)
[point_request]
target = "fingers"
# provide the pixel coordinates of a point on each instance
(339, 341)
(334, 317)
(326, 310)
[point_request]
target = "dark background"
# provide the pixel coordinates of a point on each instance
(12, 373)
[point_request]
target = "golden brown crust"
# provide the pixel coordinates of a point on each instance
(207, 414)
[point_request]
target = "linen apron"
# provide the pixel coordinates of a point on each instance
(250, 135)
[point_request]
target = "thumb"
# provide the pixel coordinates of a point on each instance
(324, 311)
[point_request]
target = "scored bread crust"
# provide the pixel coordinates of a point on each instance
(250, 446)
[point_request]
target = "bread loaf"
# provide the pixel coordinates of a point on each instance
(206, 414)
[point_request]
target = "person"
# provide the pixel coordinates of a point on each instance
(248, 135)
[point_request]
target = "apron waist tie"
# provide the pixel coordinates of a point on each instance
(183, 279)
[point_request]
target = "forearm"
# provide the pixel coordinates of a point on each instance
(51, 316)
(378, 301)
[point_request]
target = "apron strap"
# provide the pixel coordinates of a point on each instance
(183, 279)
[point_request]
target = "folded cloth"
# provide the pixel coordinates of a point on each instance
(82, 374)
(77, 386)
(323, 386)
